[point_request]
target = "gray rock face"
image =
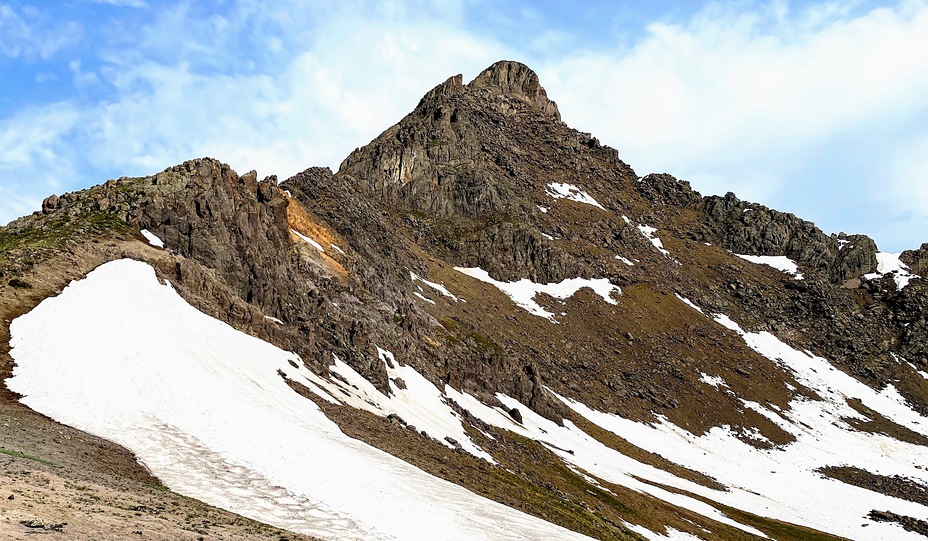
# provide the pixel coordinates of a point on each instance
(662, 189)
(855, 255)
(751, 229)
(447, 168)
(382, 266)
(755, 230)
(235, 225)
(516, 80)
(917, 260)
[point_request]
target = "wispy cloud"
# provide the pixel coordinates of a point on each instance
(37, 158)
(750, 101)
(191, 87)
(26, 33)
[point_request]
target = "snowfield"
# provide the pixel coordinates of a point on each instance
(523, 292)
(201, 404)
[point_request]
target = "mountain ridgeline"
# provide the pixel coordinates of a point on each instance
(647, 302)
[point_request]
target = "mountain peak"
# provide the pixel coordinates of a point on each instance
(518, 80)
(481, 289)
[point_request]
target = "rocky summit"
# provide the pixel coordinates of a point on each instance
(484, 325)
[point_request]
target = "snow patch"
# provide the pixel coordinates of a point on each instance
(308, 240)
(624, 260)
(423, 297)
(779, 262)
(412, 398)
(152, 239)
(887, 263)
(576, 447)
(782, 482)
(689, 303)
(524, 291)
(440, 288)
(562, 190)
(672, 534)
(337, 249)
(715, 381)
(649, 233)
(899, 359)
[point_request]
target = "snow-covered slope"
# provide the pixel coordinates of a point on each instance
(205, 408)
(202, 405)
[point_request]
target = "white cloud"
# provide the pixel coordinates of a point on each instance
(27, 33)
(746, 100)
(80, 77)
(36, 160)
(176, 98)
(906, 179)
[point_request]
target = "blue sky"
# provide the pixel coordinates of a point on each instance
(815, 108)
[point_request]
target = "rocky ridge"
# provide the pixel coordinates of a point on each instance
(466, 180)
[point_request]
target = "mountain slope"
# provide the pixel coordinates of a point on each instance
(499, 300)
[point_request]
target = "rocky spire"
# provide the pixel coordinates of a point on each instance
(517, 80)
(452, 86)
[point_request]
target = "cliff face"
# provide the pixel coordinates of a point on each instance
(425, 242)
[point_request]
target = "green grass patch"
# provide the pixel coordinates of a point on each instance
(20, 454)
(460, 332)
(776, 529)
(52, 233)
(22, 245)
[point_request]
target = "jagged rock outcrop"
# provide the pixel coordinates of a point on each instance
(917, 260)
(662, 189)
(454, 167)
(516, 80)
(233, 224)
(855, 255)
(752, 229)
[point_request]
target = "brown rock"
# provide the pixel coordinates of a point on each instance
(50, 204)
